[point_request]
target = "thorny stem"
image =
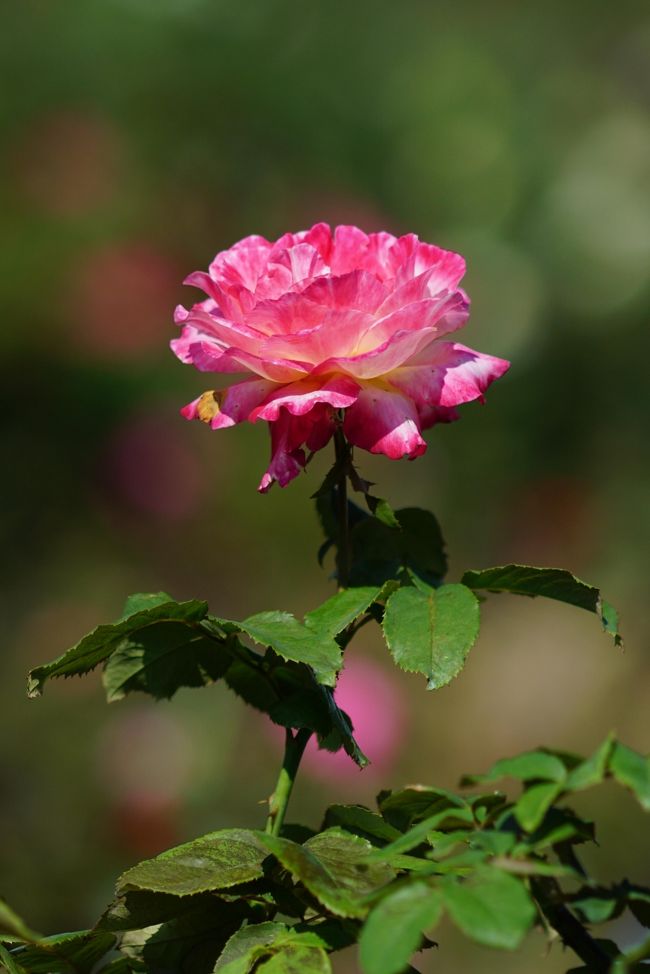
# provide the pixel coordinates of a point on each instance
(295, 744)
(571, 931)
(294, 748)
(342, 450)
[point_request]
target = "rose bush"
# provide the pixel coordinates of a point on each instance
(333, 321)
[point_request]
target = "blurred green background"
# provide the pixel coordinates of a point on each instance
(141, 136)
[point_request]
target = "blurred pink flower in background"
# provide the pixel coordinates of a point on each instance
(120, 297)
(372, 698)
(145, 763)
(333, 321)
(68, 163)
(150, 468)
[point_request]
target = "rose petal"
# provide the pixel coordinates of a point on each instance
(384, 422)
(447, 374)
(299, 398)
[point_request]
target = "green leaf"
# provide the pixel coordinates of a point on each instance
(533, 805)
(631, 770)
(419, 833)
(552, 583)
(65, 953)
(274, 947)
(432, 634)
(332, 870)
(394, 930)
(333, 616)
(155, 650)
(144, 600)
(530, 766)
(247, 945)
(14, 926)
(593, 770)
(215, 861)
(493, 908)
(294, 641)
(296, 959)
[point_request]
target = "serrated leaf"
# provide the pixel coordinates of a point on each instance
(216, 861)
(552, 583)
(66, 953)
(333, 616)
(155, 650)
(380, 551)
(631, 770)
(533, 805)
(292, 640)
(394, 930)
(493, 908)
(347, 858)
(332, 870)
(432, 634)
(530, 766)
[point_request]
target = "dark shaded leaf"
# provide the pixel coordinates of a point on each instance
(361, 821)
(552, 583)
(191, 942)
(157, 650)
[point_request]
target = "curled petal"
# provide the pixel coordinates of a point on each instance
(447, 374)
(227, 407)
(288, 435)
(299, 398)
(384, 422)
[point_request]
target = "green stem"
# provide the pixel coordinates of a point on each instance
(294, 748)
(342, 449)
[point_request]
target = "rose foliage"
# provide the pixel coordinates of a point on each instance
(344, 335)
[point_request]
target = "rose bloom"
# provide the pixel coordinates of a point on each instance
(325, 322)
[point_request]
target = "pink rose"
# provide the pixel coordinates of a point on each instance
(333, 321)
